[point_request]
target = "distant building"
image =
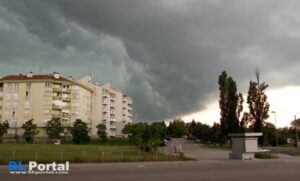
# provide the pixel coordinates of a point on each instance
(45, 97)
(110, 107)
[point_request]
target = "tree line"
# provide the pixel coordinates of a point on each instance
(79, 132)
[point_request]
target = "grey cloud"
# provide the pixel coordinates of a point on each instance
(167, 55)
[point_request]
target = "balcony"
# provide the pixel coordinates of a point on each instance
(56, 89)
(105, 117)
(68, 107)
(105, 94)
(112, 127)
(105, 102)
(112, 105)
(56, 97)
(66, 90)
(129, 102)
(112, 99)
(56, 106)
(105, 109)
(66, 116)
(112, 120)
(66, 99)
(56, 116)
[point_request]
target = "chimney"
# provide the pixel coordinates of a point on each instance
(56, 75)
(29, 74)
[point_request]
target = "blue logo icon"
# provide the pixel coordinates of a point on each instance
(14, 166)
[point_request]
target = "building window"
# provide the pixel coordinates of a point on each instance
(27, 95)
(47, 84)
(28, 86)
(9, 85)
(48, 93)
(13, 114)
(26, 116)
(15, 87)
(75, 96)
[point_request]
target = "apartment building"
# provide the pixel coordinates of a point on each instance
(42, 98)
(45, 97)
(110, 107)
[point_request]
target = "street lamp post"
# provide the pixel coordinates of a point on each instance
(295, 117)
(274, 112)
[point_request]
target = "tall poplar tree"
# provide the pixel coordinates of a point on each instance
(258, 104)
(231, 105)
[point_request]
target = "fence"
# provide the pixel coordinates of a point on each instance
(81, 155)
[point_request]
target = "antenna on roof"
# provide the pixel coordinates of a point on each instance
(90, 73)
(40, 69)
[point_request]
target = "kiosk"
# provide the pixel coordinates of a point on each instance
(244, 145)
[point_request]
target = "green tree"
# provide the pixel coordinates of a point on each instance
(231, 105)
(80, 132)
(215, 134)
(54, 128)
(101, 132)
(258, 105)
(202, 132)
(3, 129)
(159, 129)
(296, 123)
(158, 133)
(191, 127)
(134, 132)
(30, 130)
(147, 137)
(177, 128)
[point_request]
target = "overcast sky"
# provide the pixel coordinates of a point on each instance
(166, 54)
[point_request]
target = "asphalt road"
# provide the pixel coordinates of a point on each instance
(172, 171)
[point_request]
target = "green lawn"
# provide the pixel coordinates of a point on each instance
(77, 153)
(285, 150)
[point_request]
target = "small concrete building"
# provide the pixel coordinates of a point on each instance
(244, 145)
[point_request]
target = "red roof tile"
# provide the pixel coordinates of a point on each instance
(34, 77)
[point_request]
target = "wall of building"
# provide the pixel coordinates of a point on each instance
(49, 98)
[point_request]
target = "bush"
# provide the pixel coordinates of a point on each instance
(265, 155)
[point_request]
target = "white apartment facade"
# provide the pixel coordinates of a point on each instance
(110, 107)
(46, 97)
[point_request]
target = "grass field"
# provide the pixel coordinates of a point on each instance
(47, 153)
(285, 150)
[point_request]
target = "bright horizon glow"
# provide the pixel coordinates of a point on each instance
(284, 101)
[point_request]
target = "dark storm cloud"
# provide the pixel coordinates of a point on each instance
(166, 55)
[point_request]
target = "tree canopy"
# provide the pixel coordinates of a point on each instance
(30, 130)
(80, 132)
(54, 128)
(3, 128)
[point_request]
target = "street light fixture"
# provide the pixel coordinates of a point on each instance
(295, 117)
(274, 112)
